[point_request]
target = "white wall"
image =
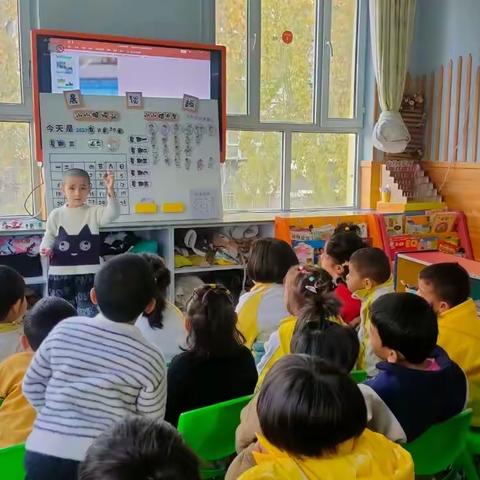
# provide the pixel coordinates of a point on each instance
(444, 30)
(187, 20)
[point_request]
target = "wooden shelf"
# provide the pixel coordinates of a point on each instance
(212, 268)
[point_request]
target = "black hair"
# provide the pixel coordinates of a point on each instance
(43, 316)
(12, 289)
(313, 289)
(406, 323)
(450, 282)
(329, 341)
(347, 228)
(77, 172)
(212, 322)
(343, 243)
(124, 287)
(372, 263)
(140, 448)
(270, 260)
(307, 407)
(162, 277)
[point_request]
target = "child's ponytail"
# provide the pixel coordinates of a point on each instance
(344, 242)
(162, 278)
(320, 303)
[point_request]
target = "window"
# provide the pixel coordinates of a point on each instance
(295, 101)
(16, 179)
(232, 32)
(322, 169)
(251, 172)
(287, 69)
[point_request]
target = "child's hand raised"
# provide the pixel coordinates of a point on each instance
(109, 180)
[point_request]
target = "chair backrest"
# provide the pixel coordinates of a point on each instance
(441, 445)
(210, 431)
(11, 462)
(358, 376)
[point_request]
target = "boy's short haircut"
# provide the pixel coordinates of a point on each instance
(140, 448)
(406, 323)
(372, 263)
(270, 259)
(124, 287)
(450, 281)
(307, 407)
(44, 315)
(12, 289)
(77, 172)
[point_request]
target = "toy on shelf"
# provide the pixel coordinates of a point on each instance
(204, 247)
(426, 230)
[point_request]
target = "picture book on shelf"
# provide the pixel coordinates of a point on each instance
(394, 224)
(402, 243)
(443, 222)
(418, 224)
(308, 251)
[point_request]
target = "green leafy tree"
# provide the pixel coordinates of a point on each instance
(15, 179)
(320, 172)
(9, 53)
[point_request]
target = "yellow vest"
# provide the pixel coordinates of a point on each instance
(367, 360)
(16, 414)
(370, 456)
(278, 345)
(459, 336)
(247, 322)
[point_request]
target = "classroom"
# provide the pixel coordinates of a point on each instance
(239, 239)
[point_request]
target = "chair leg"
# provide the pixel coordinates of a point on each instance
(465, 460)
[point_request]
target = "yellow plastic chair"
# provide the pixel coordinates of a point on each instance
(443, 446)
(210, 432)
(11, 462)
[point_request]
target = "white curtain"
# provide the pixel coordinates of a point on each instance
(391, 31)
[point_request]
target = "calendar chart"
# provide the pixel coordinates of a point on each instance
(165, 158)
(96, 168)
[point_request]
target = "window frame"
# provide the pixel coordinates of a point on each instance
(23, 112)
(321, 123)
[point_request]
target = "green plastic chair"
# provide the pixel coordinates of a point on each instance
(11, 462)
(442, 446)
(210, 431)
(358, 376)
(473, 447)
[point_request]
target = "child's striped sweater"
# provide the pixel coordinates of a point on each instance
(88, 374)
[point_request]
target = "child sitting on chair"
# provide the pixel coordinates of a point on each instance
(417, 384)
(72, 239)
(309, 294)
(92, 372)
(338, 344)
(313, 418)
(140, 449)
(344, 242)
(262, 309)
(16, 414)
(13, 306)
(446, 286)
(165, 326)
(215, 366)
(368, 279)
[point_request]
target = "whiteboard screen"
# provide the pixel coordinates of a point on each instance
(166, 160)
